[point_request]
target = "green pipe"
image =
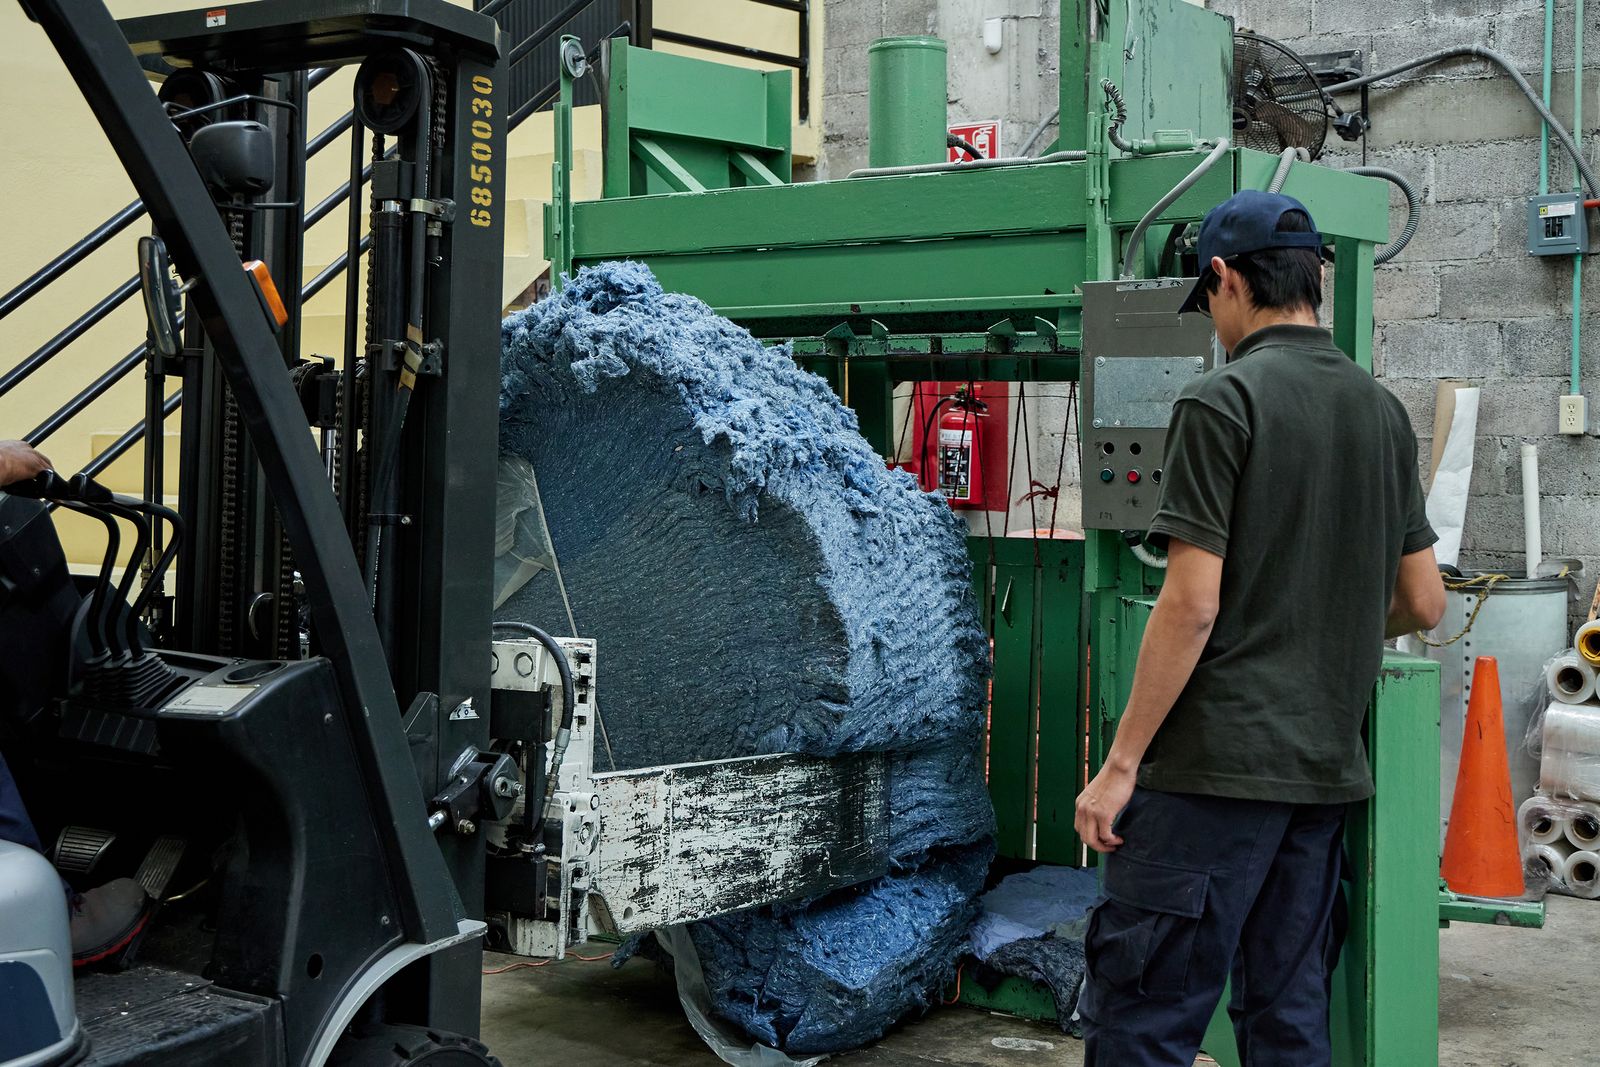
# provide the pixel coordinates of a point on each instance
(1577, 259)
(906, 90)
(1544, 127)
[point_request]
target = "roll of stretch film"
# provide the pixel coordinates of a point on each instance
(1540, 821)
(1582, 827)
(1582, 875)
(1587, 643)
(1546, 864)
(1571, 678)
(1569, 761)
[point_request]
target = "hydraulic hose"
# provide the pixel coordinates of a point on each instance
(1476, 52)
(1119, 108)
(1136, 238)
(1285, 162)
(533, 808)
(1145, 556)
(1413, 211)
(1038, 132)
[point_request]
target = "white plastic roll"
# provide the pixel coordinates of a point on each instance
(1569, 761)
(1582, 826)
(1581, 875)
(1570, 678)
(1532, 542)
(1546, 864)
(1586, 642)
(1540, 821)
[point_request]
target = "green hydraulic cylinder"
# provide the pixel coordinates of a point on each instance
(906, 122)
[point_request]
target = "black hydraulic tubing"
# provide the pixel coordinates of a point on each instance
(952, 141)
(352, 302)
(1476, 52)
(534, 820)
(79, 251)
(385, 496)
(927, 432)
(51, 348)
(96, 54)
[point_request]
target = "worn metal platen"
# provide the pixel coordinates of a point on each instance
(695, 840)
(1138, 355)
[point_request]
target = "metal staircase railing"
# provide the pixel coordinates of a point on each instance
(51, 272)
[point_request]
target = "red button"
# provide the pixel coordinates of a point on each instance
(1133, 477)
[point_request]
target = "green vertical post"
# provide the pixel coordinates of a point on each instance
(906, 119)
(1075, 93)
(1391, 961)
(1012, 723)
(558, 213)
(1060, 699)
(1352, 299)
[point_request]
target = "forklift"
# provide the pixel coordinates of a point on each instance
(285, 736)
(333, 772)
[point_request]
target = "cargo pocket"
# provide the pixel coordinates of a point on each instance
(1141, 938)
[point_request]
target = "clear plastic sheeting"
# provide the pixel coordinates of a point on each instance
(1560, 842)
(722, 1038)
(521, 543)
(1559, 827)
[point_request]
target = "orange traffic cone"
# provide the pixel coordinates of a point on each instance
(1480, 850)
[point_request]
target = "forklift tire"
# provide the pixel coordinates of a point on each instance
(409, 1046)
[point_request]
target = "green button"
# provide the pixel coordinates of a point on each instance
(1107, 475)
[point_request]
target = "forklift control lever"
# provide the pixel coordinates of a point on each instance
(48, 485)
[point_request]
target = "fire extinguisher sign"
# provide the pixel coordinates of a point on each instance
(984, 136)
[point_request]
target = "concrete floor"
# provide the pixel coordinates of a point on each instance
(1508, 998)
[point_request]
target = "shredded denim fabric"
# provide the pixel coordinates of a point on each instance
(759, 582)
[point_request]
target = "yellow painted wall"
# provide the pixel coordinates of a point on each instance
(62, 179)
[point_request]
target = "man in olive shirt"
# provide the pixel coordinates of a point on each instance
(1293, 519)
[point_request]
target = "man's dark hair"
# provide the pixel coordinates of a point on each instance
(1280, 277)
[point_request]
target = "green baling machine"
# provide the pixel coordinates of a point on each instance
(1018, 271)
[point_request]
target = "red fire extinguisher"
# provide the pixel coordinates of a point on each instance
(957, 468)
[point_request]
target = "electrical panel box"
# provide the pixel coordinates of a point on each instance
(1557, 225)
(1138, 355)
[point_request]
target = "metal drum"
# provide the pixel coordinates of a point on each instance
(1522, 624)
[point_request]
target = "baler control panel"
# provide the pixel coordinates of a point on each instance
(1138, 355)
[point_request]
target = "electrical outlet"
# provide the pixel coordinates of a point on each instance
(1574, 414)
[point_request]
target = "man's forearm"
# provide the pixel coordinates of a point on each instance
(1173, 641)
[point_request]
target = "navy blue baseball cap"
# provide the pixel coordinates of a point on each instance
(1247, 222)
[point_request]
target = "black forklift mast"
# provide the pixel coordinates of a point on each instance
(395, 568)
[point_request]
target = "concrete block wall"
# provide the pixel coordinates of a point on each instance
(1463, 302)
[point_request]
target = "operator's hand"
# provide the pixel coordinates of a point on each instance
(1101, 801)
(20, 461)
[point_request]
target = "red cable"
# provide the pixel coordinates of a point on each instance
(543, 963)
(957, 996)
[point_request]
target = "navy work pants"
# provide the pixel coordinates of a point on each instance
(1204, 889)
(15, 826)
